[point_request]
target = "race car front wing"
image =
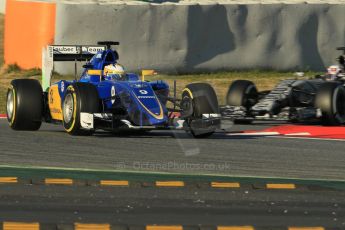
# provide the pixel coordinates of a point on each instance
(107, 121)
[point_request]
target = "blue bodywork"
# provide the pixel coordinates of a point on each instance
(142, 103)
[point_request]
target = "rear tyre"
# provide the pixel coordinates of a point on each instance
(242, 93)
(25, 104)
(199, 99)
(80, 97)
(330, 98)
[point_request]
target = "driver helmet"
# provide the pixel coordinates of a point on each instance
(114, 72)
(332, 72)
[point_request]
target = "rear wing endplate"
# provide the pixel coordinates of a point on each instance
(65, 53)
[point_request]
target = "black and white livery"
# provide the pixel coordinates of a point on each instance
(321, 98)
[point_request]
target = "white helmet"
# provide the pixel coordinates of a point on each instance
(114, 72)
(334, 69)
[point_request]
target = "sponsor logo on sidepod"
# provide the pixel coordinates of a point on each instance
(146, 97)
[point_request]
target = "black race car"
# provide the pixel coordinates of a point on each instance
(298, 100)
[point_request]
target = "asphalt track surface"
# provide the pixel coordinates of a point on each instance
(164, 151)
(58, 204)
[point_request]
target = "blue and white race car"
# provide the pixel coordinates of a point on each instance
(105, 97)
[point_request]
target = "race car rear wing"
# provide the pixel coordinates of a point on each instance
(64, 53)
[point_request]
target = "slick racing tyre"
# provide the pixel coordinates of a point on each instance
(242, 93)
(330, 99)
(199, 99)
(80, 97)
(24, 105)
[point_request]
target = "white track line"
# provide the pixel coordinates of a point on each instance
(254, 134)
(268, 134)
(309, 138)
(298, 134)
(301, 135)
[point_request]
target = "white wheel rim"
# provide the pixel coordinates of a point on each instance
(68, 107)
(10, 104)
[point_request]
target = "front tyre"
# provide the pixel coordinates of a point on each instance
(79, 98)
(242, 93)
(199, 99)
(24, 105)
(330, 99)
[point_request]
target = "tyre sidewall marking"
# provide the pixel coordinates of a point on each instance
(188, 91)
(72, 91)
(11, 88)
(190, 95)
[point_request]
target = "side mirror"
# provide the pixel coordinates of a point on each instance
(341, 60)
(88, 66)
